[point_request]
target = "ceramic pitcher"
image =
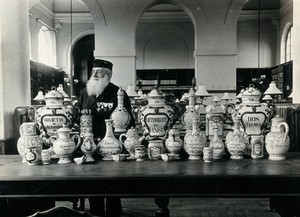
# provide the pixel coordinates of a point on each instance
(28, 139)
(173, 143)
(131, 141)
(277, 141)
(64, 144)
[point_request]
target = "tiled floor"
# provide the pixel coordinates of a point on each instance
(197, 207)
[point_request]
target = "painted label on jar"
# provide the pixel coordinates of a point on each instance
(156, 124)
(253, 122)
(51, 123)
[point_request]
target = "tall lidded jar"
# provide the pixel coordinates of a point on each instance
(121, 118)
(254, 115)
(156, 118)
(54, 115)
(109, 145)
(277, 140)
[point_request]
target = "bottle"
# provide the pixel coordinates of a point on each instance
(109, 145)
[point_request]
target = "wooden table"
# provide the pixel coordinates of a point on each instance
(185, 178)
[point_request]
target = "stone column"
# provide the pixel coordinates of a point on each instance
(15, 65)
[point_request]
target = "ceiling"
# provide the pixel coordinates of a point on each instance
(65, 6)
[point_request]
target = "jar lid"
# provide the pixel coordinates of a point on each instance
(53, 94)
(251, 91)
(64, 129)
(156, 93)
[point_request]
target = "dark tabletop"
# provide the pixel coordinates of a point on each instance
(226, 177)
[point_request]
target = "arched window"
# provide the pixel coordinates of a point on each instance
(47, 51)
(288, 45)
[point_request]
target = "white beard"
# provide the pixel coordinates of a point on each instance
(95, 87)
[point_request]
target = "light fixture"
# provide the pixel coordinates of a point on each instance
(40, 97)
(267, 98)
(226, 98)
(216, 100)
(131, 91)
(202, 92)
(272, 90)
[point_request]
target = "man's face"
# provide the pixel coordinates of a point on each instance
(99, 80)
(100, 74)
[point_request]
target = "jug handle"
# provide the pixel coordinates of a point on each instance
(21, 130)
(52, 139)
(78, 138)
(142, 138)
(31, 118)
(120, 138)
(286, 126)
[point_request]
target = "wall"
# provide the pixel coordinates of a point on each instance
(247, 44)
(15, 62)
(165, 45)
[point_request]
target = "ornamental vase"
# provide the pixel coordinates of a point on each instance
(194, 142)
(88, 147)
(86, 122)
(237, 141)
(191, 113)
(217, 145)
(109, 145)
(277, 140)
(157, 117)
(120, 116)
(28, 139)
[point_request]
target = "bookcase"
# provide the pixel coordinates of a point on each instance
(281, 74)
(43, 77)
(170, 81)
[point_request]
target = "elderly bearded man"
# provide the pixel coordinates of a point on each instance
(100, 95)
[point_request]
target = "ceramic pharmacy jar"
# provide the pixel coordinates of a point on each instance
(64, 144)
(237, 141)
(217, 145)
(254, 114)
(28, 140)
(54, 115)
(156, 116)
(155, 149)
(88, 147)
(174, 143)
(109, 145)
(194, 142)
(277, 140)
(130, 140)
(121, 118)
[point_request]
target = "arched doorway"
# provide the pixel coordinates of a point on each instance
(83, 60)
